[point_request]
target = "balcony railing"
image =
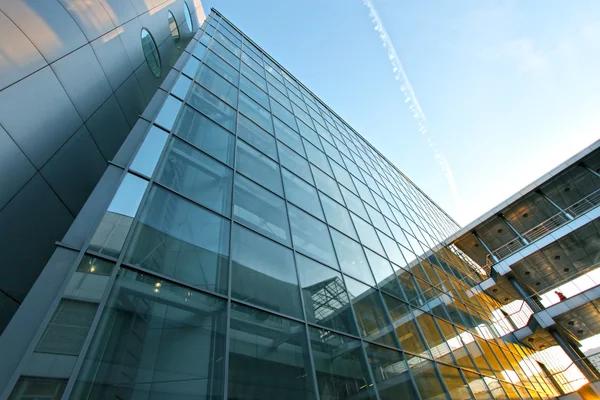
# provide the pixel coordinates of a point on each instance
(556, 221)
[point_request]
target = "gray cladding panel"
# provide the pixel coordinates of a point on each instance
(7, 308)
(20, 57)
(47, 24)
(16, 168)
(113, 58)
(38, 114)
(83, 79)
(131, 99)
(108, 127)
(75, 170)
(119, 11)
(90, 16)
(30, 222)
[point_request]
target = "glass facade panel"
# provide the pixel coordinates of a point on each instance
(205, 135)
(153, 333)
(341, 366)
(352, 258)
(263, 273)
(311, 236)
(288, 136)
(301, 194)
(210, 105)
(261, 210)
(177, 238)
(217, 85)
(294, 163)
(254, 135)
(391, 373)
(367, 234)
(327, 185)
(197, 176)
(337, 216)
(256, 113)
(258, 167)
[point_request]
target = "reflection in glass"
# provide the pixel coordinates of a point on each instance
(327, 185)
(337, 216)
(256, 113)
(206, 135)
(423, 371)
(367, 234)
(263, 273)
(325, 299)
(391, 373)
(188, 17)
(258, 167)
(370, 313)
(341, 367)
(384, 274)
(301, 194)
(257, 137)
(178, 238)
(217, 85)
(261, 210)
(151, 52)
(174, 29)
(268, 357)
(168, 113)
(155, 340)
(197, 176)
(211, 106)
(311, 236)
(352, 258)
(294, 163)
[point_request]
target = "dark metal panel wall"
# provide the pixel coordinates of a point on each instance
(73, 80)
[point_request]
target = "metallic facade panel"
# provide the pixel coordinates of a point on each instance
(7, 308)
(56, 119)
(113, 58)
(18, 56)
(16, 168)
(30, 222)
(75, 169)
(90, 16)
(83, 79)
(131, 99)
(130, 36)
(47, 24)
(119, 11)
(108, 127)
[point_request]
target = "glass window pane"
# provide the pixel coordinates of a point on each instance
(184, 330)
(197, 176)
(211, 106)
(225, 54)
(288, 136)
(199, 51)
(181, 86)
(317, 157)
(217, 85)
(253, 64)
(378, 221)
(280, 97)
(341, 367)
(301, 194)
(258, 167)
(254, 77)
(370, 313)
(180, 239)
(337, 216)
(274, 78)
(364, 192)
(278, 364)
(256, 113)
(342, 176)
(354, 203)
(308, 134)
(392, 249)
(226, 70)
(283, 115)
(294, 163)
(311, 236)
(263, 273)
(426, 378)
(257, 137)
(220, 37)
(325, 299)
(302, 116)
(352, 258)
(206, 135)
(147, 156)
(261, 210)
(168, 112)
(391, 373)
(151, 53)
(254, 91)
(367, 234)
(332, 152)
(326, 184)
(384, 274)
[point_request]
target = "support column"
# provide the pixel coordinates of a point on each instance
(512, 228)
(590, 170)
(563, 212)
(552, 378)
(578, 358)
(474, 232)
(530, 299)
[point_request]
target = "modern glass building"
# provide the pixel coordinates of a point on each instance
(246, 243)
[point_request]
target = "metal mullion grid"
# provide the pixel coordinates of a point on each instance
(362, 342)
(92, 330)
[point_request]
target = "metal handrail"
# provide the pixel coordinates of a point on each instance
(550, 224)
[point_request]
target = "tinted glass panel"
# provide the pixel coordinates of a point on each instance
(337, 216)
(288, 136)
(226, 70)
(367, 234)
(391, 373)
(253, 91)
(327, 185)
(210, 105)
(311, 236)
(197, 176)
(301, 194)
(258, 167)
(256, 113)
(352, 258)
(256, 136)
(217, 85)
(263, 273)
(294, 163)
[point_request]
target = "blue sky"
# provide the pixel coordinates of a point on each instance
(508, 89)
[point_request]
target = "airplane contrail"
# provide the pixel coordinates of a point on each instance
(411, 99)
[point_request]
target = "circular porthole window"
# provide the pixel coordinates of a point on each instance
(188, 17)
(174, 30)
(151, 52)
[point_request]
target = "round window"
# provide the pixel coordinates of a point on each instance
(151, 52)
(174, 30)
(188, 17)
